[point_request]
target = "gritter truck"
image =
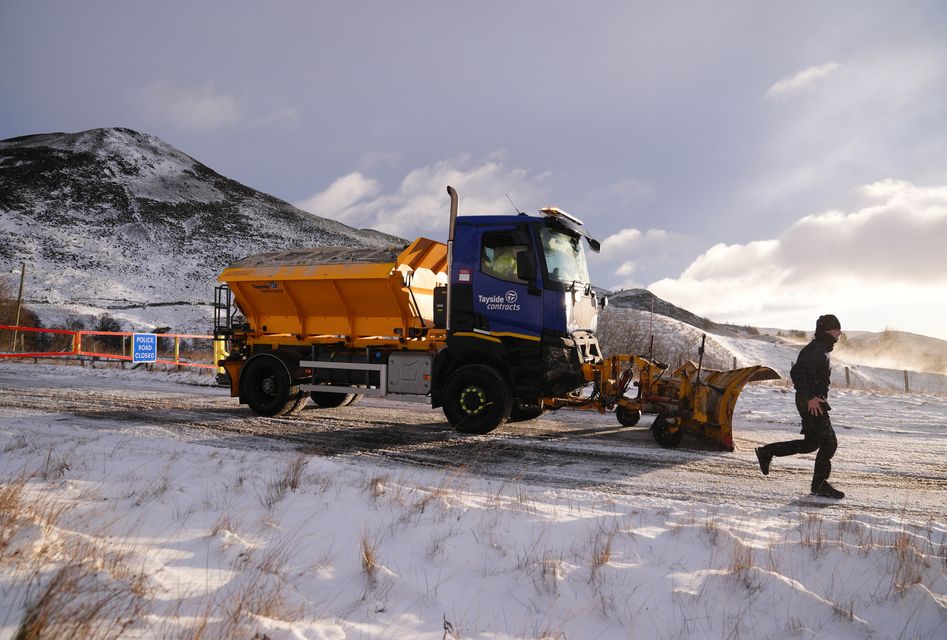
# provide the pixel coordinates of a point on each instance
(496, 325)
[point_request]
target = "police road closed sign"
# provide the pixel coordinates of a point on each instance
(144, 347)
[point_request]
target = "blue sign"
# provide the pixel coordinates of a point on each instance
(144, 347)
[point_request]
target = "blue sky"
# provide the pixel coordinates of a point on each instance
(757, 162)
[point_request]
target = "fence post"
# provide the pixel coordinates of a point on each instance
(19, 303)
(848, 378)
(177, 349)
(734, 363)
(907, 386)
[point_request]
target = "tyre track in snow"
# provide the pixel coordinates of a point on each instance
(580, 451)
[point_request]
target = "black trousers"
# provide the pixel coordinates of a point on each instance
(817, 435)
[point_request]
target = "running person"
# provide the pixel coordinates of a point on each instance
(811, 378)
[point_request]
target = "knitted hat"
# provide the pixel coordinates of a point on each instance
(827, 323)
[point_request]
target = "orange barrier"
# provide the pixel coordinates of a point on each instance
(77, 350)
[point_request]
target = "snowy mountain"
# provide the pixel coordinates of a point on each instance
(114, 220)
(644, 300)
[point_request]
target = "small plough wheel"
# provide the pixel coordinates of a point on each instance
(666, 434)
(521, 412)
(627, 417)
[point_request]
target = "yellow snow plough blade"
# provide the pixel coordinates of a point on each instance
(708, 412)
(689, 399)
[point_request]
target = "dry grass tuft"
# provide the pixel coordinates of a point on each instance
(55, 466)
(369, 560)
(17, 513)
(223, 523)
(377, 487)
(910, 561)
(549, 572)
(742, 567)
(11, 511)
(286, 479)
(15, 444)
(812, 533)
(601, 551)
(89, 596)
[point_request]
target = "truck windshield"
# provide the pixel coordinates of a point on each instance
(565, 257)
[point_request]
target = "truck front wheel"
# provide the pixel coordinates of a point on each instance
(267, 386)
(477, 399)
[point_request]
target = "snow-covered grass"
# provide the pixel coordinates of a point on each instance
(112, 531)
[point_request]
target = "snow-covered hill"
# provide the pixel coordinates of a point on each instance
(644, 300)
(628, 330)
(113, 220)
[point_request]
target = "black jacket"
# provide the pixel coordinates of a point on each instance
(811, 374)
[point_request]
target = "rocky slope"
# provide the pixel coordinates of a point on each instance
(113, 219)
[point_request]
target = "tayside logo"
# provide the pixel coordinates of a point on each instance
(267, 287)
(506, 302)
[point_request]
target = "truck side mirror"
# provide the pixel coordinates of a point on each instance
(525, 267)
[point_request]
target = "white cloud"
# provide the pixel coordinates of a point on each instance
(341, 196)
(882, 265)
(627, 253)
(419, 205)
(201, 107)
(625, 238)
(800, 81)
(620, 239)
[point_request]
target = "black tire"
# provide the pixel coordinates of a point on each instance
(267, 385)
(522, 412)
(627, 417)
(330, 400)
(477, 399)
(666, 434)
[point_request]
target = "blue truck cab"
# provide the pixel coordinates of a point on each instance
(521, 303)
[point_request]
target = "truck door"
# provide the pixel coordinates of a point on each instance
(503, 303)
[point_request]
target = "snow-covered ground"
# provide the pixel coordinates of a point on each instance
(152, 505)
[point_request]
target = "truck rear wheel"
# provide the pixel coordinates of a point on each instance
(267, 386)
(330, 400)
(477, 399)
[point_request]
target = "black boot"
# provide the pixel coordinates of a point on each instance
(825, 490)
(764, 461)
